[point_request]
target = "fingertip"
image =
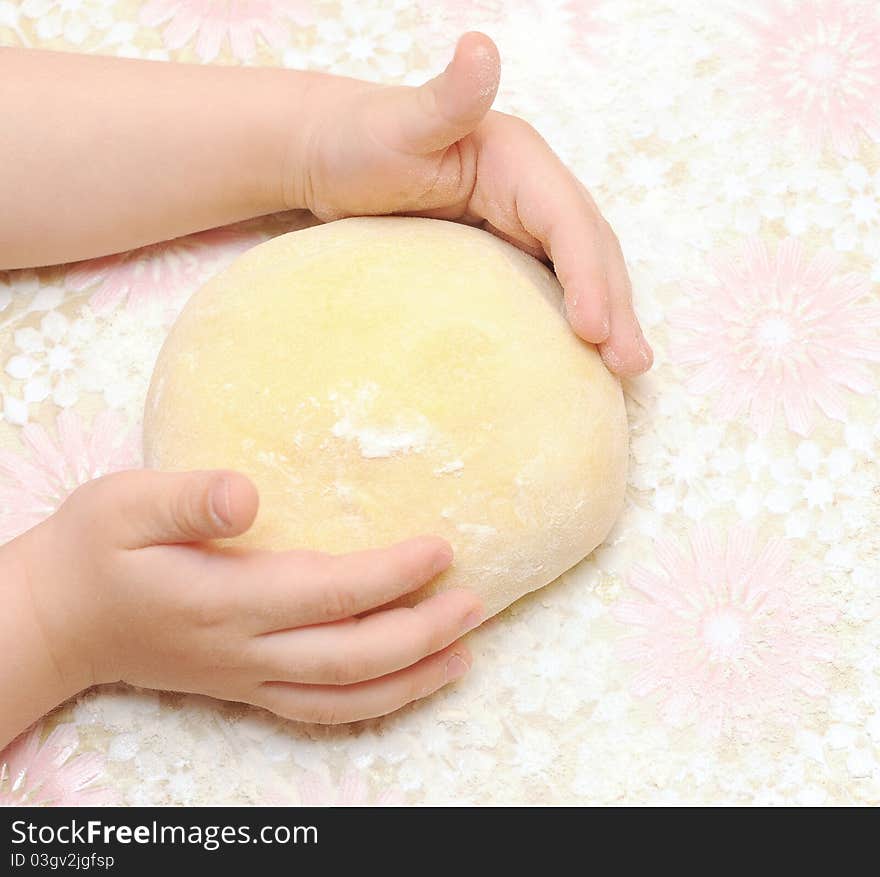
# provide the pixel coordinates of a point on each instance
(445, 108)
(627, 359)
(476, 44)
(478, 62)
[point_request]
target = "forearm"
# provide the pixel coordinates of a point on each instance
(31, 680)
(104, 154)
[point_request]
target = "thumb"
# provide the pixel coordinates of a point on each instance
(447, 107)
(154, 508)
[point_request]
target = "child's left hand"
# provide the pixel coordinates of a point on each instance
(438, 151)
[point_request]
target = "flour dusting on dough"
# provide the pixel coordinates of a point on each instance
(377, 441)
(450, 468)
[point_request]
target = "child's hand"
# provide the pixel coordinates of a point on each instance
(438, 151)
(125, 585)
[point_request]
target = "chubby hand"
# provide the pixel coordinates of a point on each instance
(438, 151)
(126, 584)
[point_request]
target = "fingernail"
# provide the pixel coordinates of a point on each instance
(456, 667)
(472, 620)
(220, 502)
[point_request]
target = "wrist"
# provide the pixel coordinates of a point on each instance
(281, 109)
(297, 135)
(256, 128)
(313, 123)
(50, 578)
(35, 676)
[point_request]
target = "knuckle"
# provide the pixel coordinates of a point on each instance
(351, 664)
(340, 601)
(347, 670)
(186, 510)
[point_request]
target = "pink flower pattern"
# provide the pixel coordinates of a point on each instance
(159, 272)
(49, 774)
(33, 485)
(778, 331)
(239, 21)
(728, 635)
(818, 65)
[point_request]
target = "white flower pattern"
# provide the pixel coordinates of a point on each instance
(72, 21)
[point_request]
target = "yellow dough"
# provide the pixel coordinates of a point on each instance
(381, 378)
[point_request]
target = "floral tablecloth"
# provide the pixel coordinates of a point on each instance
(722, 646)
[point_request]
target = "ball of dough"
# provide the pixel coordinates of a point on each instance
(381, 378)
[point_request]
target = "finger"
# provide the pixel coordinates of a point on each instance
(626, 351)
(366, 648)
(144, 507)
(569, 228)
(293, 589)
(444, 109)
(576, 254)
(335, 704)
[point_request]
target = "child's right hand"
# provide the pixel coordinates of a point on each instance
(126, 585)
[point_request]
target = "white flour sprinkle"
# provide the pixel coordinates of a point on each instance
(449, 468)
(377, 441)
